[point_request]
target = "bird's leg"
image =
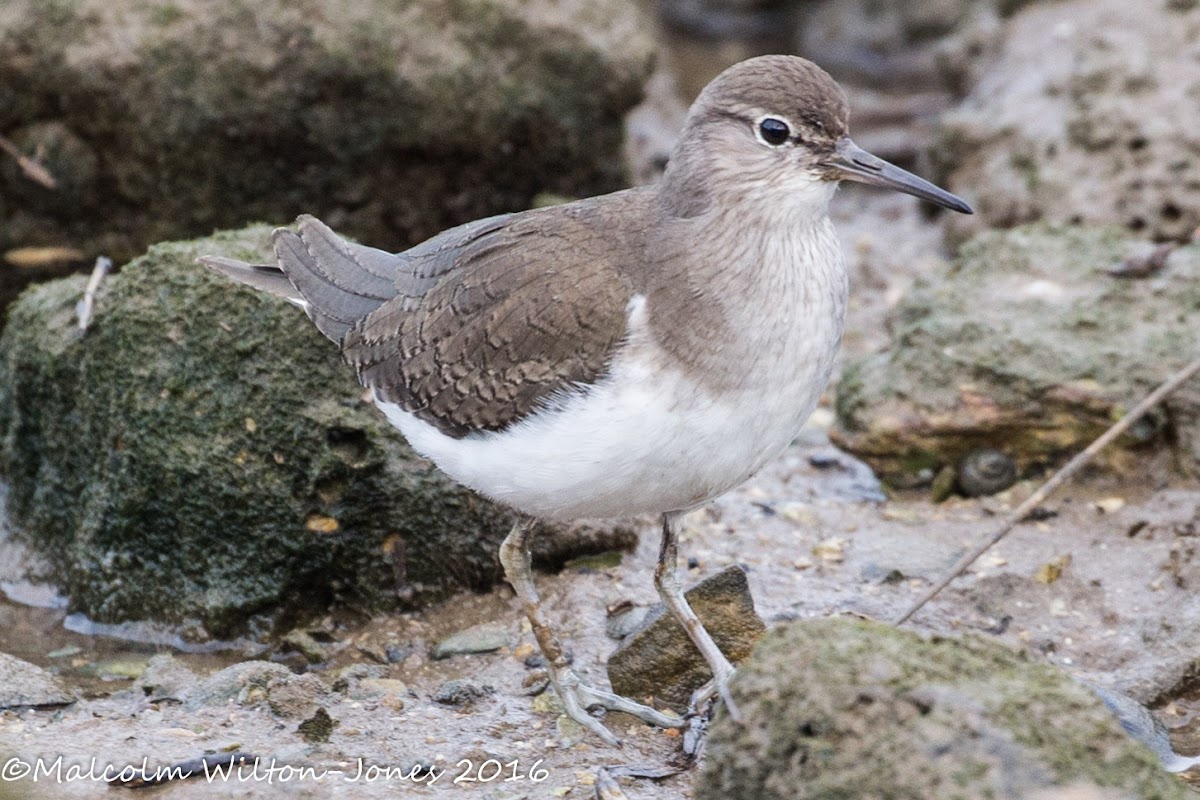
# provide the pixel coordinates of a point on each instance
(576, 695)
(666, 579)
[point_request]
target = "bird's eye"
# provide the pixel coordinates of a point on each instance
(774, 131)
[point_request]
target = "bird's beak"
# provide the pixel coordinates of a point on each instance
(851, 162)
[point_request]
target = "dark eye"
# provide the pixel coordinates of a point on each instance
(774, 131)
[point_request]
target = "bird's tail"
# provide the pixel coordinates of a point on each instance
(336, 282)
(264, 277)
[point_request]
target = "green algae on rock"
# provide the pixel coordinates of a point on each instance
(1027, 346)
(847, 709)
(202, 453)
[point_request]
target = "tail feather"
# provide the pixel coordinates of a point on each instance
(379, 263)
(332, 308)
(264, 277)
(363, 271)
(336, 282)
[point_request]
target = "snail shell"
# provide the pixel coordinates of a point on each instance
(984, 472)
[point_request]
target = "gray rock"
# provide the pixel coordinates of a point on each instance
(294, 696)
(25, 685)
(166, 678)
(202, 453)
(300, 641)
(659, 660)
(462, 692)
(652, 128)
(890, 45)
(245, 684)
(261, 683)
(345, 679)
(625, 622)
(1027, 346)
(552, 548)
(479, 639)
(391, 120)
(836, 708)
(1094, 134)
(391, 691)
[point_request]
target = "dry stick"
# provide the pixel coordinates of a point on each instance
(1058, 479)
(83, 310)
(32, 169)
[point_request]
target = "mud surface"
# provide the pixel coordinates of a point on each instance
(1122, 613)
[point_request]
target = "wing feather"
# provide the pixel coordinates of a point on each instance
(498, 318)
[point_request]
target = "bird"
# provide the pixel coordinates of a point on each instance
(639, 352)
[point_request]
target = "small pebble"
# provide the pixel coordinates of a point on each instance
(70, 650)
(317, 728)
(832, 549)
(480, 639)
(799, 513)
(1052, 570)
(302, 642)
(461, 692)
(535, 683)
(396, 653)
(825, 462)
(621, 624)
(569, 731)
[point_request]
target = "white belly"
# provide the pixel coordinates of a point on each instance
(627, 447)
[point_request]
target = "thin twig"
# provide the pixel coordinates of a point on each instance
(32, 169)
(83, 310)
(1058, 479)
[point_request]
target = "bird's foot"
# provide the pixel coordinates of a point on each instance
(577, 697)
(718, 686)
(701, 708)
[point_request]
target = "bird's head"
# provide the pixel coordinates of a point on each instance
(777, 127)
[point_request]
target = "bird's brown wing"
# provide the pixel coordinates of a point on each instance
(498, 318)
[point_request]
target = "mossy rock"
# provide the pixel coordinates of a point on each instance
(202, 453)
(392, 119)
(840, 710)
(1028, 346)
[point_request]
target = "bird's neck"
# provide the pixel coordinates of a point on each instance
(769, 278)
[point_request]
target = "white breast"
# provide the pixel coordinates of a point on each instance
(649, 438)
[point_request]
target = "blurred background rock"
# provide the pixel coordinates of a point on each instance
(390, 120)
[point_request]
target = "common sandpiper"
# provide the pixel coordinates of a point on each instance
(640, 352)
